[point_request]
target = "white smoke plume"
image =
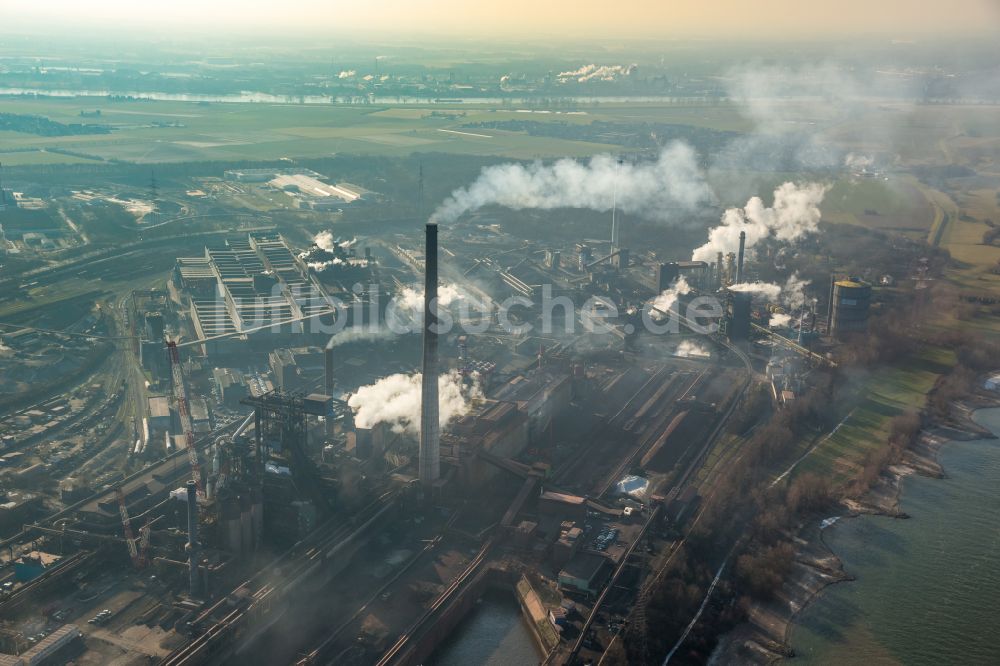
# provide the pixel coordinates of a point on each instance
(598, 72)
(793, 111)
(795, 213)
(320, 266)
(793, 293)
(324, 241)
(779, 320)
(396, 400)
(360, 333)
(858, 162)
(347, 74)
(766, 290)
(666, 300)
(412, 298)
(688, 348)
(647, 189)
(781, 99)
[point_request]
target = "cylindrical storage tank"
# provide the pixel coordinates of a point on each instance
(738, 326)
(849, 306)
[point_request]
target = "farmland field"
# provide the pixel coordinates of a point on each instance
(155, 131)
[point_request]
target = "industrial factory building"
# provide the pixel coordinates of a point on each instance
(312, 193)
(253, 285)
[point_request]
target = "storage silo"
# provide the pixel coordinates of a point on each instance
(850, 301)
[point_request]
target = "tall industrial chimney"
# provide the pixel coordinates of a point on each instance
(192, 507)
(430, 435)
(739, 258)
(328, 359)
(328, 381)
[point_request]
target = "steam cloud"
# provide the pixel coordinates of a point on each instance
(649, 189)
(360, 333)
(347, 74)
(688, 348)
(766, 290)
(324, 240)
(321, 266)
(666, 300)
(779, 320)
(599, 72)
(396, 400)
(793, 293)
(795, 213)
(412, 298)
(858, 162)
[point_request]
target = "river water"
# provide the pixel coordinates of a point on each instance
(928, 588)
(494, 634)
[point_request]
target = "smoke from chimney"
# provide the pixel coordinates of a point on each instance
(795, 213)
(650, 190)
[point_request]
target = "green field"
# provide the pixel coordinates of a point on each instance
(270, 131)
(890, 203)
(31, 157)
(885, 393)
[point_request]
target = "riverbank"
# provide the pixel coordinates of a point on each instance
(765, 637)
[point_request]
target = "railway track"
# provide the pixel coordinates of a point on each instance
(661, 418)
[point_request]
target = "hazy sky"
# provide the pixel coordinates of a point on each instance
(749, 19)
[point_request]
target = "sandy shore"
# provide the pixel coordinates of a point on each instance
(764, 638)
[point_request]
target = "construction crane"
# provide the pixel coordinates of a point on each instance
(180, 395)
(127, 524)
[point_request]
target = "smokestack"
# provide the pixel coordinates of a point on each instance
(192, 507)
(430, 462)
(718, 271)
(829, 312)
(328, 359)
(739, 258)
